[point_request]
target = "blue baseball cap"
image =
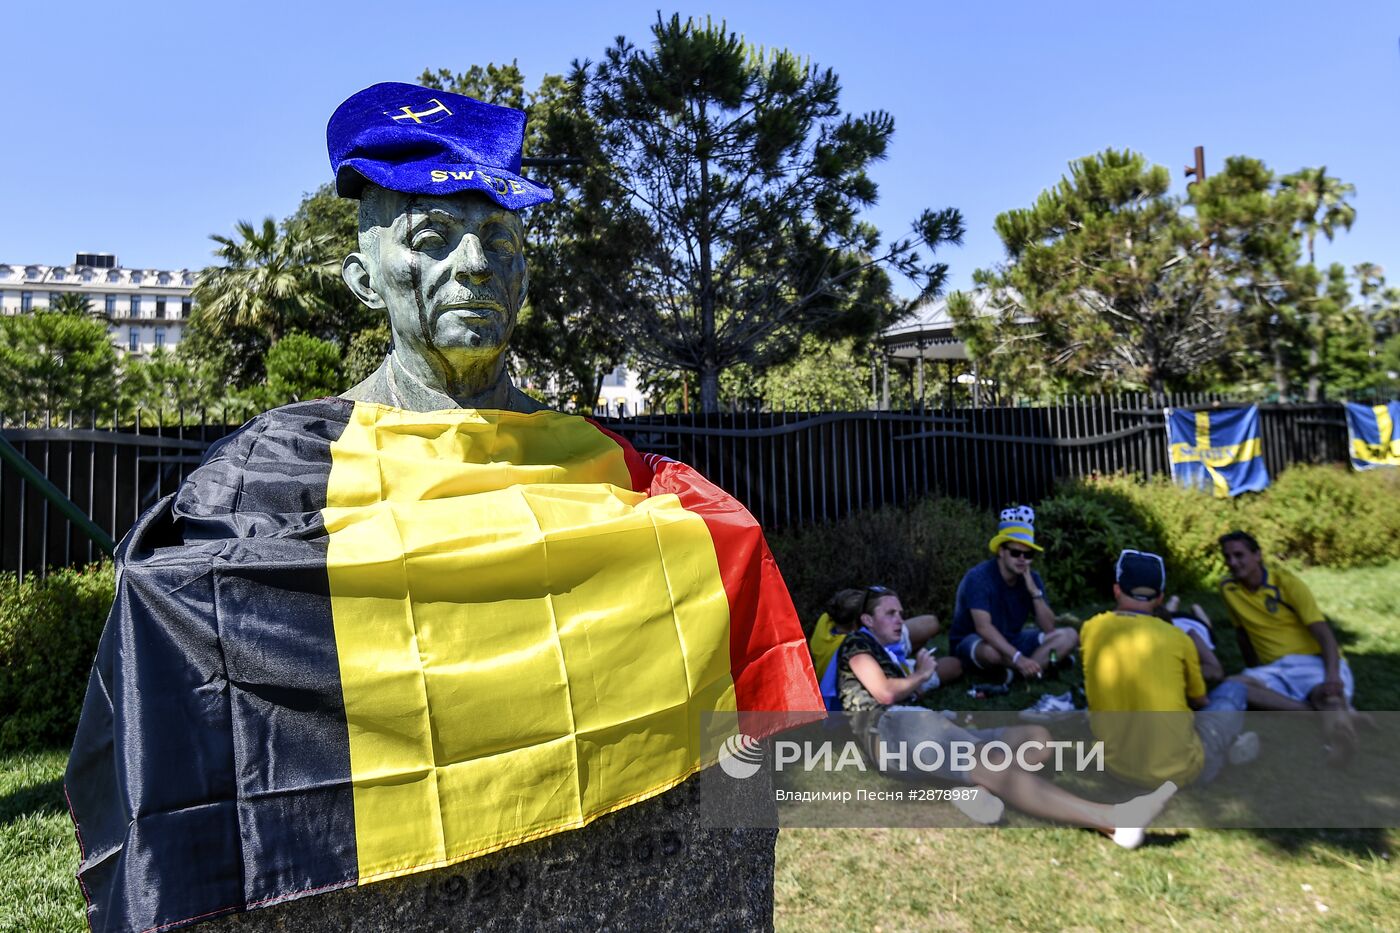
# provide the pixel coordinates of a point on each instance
(422, 141)
(1141, 575)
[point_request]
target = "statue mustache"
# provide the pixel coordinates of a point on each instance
(484, 299)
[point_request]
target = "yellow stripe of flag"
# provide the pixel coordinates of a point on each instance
(1222, 485)
(524, 641)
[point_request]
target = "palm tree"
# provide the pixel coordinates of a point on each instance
(1321, 208)
(1322, 204)
(71, 303)
(274, 282)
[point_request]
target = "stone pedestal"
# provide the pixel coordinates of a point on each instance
(653, 865)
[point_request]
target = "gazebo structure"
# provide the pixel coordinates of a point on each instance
(926, 337)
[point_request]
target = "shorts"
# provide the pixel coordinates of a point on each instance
(1295, 675)
(1025, 641)
(909, 726)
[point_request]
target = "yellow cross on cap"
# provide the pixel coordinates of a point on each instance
(409, 114)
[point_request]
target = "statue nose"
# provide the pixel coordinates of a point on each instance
(470, 261)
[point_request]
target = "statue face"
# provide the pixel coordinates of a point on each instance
(450, 271)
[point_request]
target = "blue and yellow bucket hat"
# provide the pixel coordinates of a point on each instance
(1017, 527)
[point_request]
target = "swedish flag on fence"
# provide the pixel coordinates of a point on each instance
(361, 642)
(1374, 434)
(1219, 450)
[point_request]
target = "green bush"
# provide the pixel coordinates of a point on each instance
(1310, 516)
(1078, 528)
(48, 636)
(1330, 516)
(921, 551)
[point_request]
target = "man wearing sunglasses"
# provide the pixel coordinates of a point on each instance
(998, 597)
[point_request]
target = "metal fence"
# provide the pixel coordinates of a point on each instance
(789, 468)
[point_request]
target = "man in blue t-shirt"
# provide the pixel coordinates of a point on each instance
(997, 597)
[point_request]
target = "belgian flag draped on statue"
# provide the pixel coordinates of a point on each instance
(361, 642)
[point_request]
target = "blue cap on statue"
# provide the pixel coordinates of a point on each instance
(418, 140)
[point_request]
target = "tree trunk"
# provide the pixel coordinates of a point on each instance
(1280, 374)
(709, 370)
(1315, 339)
(709, 388)
(595, 385)
(1158, 388)
(1314, 373)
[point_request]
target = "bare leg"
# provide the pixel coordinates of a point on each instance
(949, 669)
(921, 629)
(1261, 697)
(1061, 641)
(990, 658)
(1038, 797)
(1016, 736)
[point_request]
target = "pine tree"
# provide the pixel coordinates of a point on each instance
(1104, 287)
(741, 183)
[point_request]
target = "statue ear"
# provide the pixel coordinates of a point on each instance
(355, 272)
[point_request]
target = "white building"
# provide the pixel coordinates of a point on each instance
(144, 308)
(620, 394)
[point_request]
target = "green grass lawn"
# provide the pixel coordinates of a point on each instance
(38, 851)
(955, 879)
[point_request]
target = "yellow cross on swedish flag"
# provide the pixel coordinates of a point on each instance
(1219, 450)
(1375, 442)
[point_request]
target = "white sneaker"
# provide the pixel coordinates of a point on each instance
(1049, 708)
(1244, 749)
(983, 807)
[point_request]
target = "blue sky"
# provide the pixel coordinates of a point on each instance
(140, 128)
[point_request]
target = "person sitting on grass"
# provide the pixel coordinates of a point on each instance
(997, 597)
(874, 683)
(843, 616)
(1134, 662)
(1293, 661)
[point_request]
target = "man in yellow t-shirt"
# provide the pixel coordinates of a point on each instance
(1142, 677)
(1292, 653)
(1293, 657)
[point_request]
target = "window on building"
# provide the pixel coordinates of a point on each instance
(160, 336)
(58, 275)
(53, 299)
(26, 301)
(135, 308)
(185, 307)
(109, 305)
(160, 307)
(133, 339)
(136, 278)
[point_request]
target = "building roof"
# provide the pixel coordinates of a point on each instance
(74, 276)
(927, 331)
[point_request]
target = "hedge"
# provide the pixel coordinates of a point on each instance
(1309, 516)
(48, 637)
